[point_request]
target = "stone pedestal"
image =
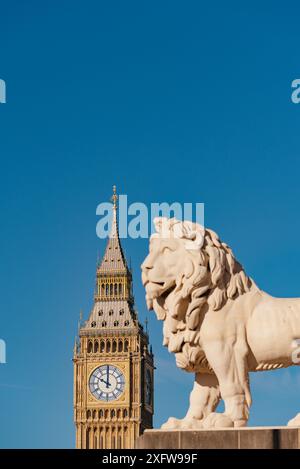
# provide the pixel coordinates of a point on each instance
(243, 438)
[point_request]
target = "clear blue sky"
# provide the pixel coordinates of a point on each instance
(170, 101)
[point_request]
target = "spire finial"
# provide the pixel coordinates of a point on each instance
(146, 323)
(114, 197)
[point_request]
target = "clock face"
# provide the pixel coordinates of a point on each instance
(107, 383)
(148, 387)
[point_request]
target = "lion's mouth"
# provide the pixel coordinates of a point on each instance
(161, 284)
(158, 290)
(167, 291)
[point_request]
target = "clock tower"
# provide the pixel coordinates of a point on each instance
(113, 365)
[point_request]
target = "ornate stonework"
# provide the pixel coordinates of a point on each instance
(113, 366)
(216, 321)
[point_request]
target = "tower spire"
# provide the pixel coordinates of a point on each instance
(113, 259)
(114, 197)
(113, 277)
(114, 227)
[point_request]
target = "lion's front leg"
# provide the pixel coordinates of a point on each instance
(230, 365)
(204, 398)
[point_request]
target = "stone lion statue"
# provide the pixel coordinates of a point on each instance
(216, 321)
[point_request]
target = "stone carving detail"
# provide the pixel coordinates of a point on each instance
(216, 321)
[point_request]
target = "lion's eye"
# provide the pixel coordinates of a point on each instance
(166, 250)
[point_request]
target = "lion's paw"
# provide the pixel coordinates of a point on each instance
(181, 424)
(215, 420)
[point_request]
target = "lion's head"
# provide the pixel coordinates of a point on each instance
(187, 272)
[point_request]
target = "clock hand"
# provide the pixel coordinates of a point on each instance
(107, 371)
(105, 382)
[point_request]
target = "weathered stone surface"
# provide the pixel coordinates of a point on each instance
(243, 438)
(212, 312)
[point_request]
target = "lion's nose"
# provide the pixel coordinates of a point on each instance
(146, 265)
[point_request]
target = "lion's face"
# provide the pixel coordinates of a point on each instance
(167, 268)
(162, 266)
